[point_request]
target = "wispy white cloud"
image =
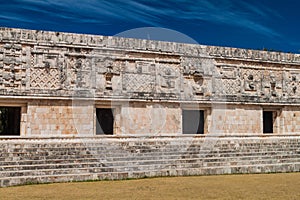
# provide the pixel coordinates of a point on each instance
(236, 13)
(4, 17)
(231, 13)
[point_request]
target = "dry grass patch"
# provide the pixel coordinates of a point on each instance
(252, 186)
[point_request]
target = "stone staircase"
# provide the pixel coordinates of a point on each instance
(43, 160)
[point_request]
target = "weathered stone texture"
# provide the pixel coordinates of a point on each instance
(151, 118)
(44, 63)
(59, 160)
(234, 119)
(146, 82)
(60, 79)
(56, 118)
(290, 119)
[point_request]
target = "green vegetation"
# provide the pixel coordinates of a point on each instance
(252, 186)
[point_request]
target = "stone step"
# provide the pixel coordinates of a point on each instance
(137, 159)
(85, 151)
(57, 171)
(142, 141)
(110, 165)
(80, 155)
(145, 155)
(108, 147)
(19, 180)
(142, 167)
(90, 169)
(129, 165)
(26, 160)
(203, 158)
(250, 162)
(12, 181)
(49, 166)
(143, 158)
(138, 156)
(199, 161)
(48, 161)
(38, 157)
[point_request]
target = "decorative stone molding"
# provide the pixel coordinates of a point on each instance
(42, 63)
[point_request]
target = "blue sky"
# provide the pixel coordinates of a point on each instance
(252, 24)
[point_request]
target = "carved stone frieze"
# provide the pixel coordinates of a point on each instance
(169, 80)
(49, 63)
(272, 83)
(226, 72)
(292, 83)
(79, 72)
(44, 79)
(251, 81)
(139, 77)
(226, 86)
(226, 80)
(197, 76)
(12, 68)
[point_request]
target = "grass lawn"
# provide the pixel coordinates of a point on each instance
(252, 186)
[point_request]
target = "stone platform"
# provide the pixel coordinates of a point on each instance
(45, 160)
(78, 107)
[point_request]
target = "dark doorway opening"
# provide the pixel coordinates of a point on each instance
(105, 121)
(268, 121)
(10, 120)
(193, 121)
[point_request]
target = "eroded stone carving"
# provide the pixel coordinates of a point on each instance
(226, 80)
(45, 73)
(197, 78)
(12, 69)
(41, 62)
(251, 81)
(227, 72)
(80, 72)
(292, 83)
(271, 84)
(191, 66)
(169, 80)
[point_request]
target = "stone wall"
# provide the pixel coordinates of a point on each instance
(151, 118)
(290, 119)
(42, 118)
(56, 118)
(61, 78)
(236, 119)
(40, 63)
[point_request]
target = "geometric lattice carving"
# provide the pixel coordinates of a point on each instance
(226, 86)
(41, 78)
(231, 86)
(138, 82)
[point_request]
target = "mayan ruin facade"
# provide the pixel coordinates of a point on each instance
(65, 89)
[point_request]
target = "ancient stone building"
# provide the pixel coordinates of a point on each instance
(61, 82)
(63, 85)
